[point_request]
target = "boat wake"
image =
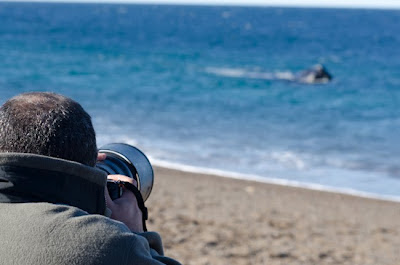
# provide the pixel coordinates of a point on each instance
(314, 75)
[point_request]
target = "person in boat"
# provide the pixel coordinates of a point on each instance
(315, 75)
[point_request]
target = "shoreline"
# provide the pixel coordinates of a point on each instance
(273, 181)
(207, 220)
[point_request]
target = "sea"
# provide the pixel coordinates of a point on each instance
(193, 86)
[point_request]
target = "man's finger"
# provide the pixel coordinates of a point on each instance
(122, 178)
(101, 156)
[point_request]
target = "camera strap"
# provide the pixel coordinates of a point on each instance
(139, 200)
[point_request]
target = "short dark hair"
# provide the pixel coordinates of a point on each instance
(47, 124)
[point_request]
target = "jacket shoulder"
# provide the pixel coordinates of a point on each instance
(44, 233)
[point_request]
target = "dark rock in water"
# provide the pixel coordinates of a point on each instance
(315, 75)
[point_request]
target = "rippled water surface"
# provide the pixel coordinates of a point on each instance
(192, 85)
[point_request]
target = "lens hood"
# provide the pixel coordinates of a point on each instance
(128, 160)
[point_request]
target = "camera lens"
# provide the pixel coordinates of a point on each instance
(129, 161)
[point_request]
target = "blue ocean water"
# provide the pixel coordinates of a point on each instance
(189, 85)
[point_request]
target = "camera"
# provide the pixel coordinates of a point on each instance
(129, 161)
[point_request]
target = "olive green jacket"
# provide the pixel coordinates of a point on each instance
(52, 212)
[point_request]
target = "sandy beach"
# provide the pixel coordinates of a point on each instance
(207, 219)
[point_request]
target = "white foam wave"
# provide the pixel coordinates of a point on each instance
(270, 180)
(289, 159)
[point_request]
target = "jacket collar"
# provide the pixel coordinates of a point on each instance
(36, 178)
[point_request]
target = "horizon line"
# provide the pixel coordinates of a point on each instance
(234, 3)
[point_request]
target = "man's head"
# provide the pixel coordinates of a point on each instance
(47, 124)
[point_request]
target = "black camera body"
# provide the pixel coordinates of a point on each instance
(129, 161)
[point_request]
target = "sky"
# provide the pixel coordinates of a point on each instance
(391, 4)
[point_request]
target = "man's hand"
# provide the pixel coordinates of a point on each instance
(124, 209)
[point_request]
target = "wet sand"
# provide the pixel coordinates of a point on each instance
(207, 219)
